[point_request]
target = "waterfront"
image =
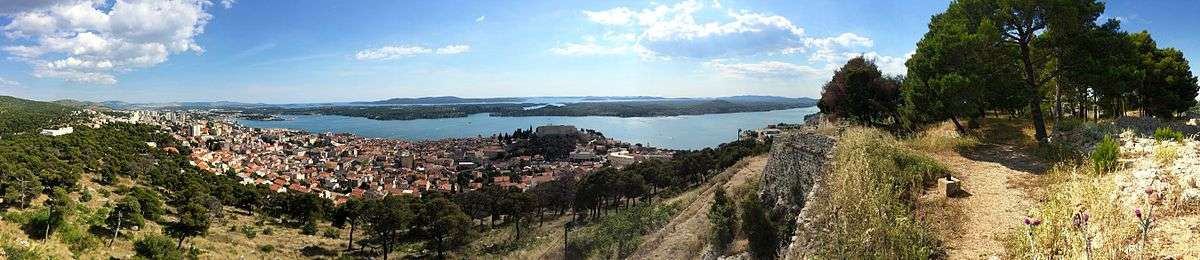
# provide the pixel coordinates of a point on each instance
(673, 132)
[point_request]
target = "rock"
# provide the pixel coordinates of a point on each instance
(796, 160)
(1190, 196)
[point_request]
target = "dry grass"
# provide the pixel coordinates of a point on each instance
(940, 139)
(1112, 227)
(872, 192)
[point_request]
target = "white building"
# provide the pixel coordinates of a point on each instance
(58, 132)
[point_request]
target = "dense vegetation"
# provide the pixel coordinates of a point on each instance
(1007, 57)
(19, 115)
(615, 108)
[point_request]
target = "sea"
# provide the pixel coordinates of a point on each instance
(671, 132)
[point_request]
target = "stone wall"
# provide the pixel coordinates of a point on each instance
(797, 160)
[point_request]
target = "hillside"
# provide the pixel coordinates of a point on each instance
(21, 115)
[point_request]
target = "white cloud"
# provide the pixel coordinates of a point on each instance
(615, 16)
(404, 51)
(678, 30)
(453, 49)
(9, 83)
(766, 70)
(228, 3)
(480, 19)
(91, 41)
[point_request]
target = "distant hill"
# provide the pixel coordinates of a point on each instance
(802, 100)
(443, 100)
(22, 115)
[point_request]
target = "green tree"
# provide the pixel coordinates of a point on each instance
(759, 230)
(61, 207)
(1166, 85)
(1033, 31)
(18, 186)
(388, 220)
(126, 213)
(859, 91)
(958, 70)
(349, 213)
(155, 246)
(193, 221)
(446, 225)
(149, 200)
(721, 217)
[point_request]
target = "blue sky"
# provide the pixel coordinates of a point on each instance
(320, 51)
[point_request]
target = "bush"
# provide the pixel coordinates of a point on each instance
(267, 248)
(20, 252)
(249, 232)
(1167, 134)
(1104, 157)
(758, 229)
(1165, 154)
(268, 231)
(330, 232)
(721, 217)
(155, 246)
(309, 228)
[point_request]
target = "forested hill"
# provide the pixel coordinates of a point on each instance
(21, 115)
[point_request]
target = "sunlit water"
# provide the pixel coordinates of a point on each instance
(673, 132)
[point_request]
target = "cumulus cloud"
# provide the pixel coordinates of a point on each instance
(678, 30)
(404, 51)
(766, 70)
(480, 18)
(615, 16)
(90, 41)
(228, 3)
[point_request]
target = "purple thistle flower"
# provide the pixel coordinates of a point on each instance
(1037, 222)
(1149, 190)
(1086, 213)
(1138, 213)
(1028, 222)
(1077, 220)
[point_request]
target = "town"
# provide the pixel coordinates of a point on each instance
(338, 166)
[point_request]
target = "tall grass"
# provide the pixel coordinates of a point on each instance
(1077, 191)
(872, 192)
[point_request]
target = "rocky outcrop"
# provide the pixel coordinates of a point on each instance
(797, 160)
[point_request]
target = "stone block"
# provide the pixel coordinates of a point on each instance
(950, 187)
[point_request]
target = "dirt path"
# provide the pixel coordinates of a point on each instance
(683, 237)
(995, 178)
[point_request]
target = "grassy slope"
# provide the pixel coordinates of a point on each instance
(219, 243)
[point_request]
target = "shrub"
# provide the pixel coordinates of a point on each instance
(155, 246)
(1167, 134)
(330, 232)
(1165, 154)
(86, 196)
(249, 232)
(266, 248)
(1104, 156)
(20, 252)
(268, 231)
(309, 228)
(758, 229)
(721, 217)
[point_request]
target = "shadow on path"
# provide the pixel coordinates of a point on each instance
(1007, 155)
